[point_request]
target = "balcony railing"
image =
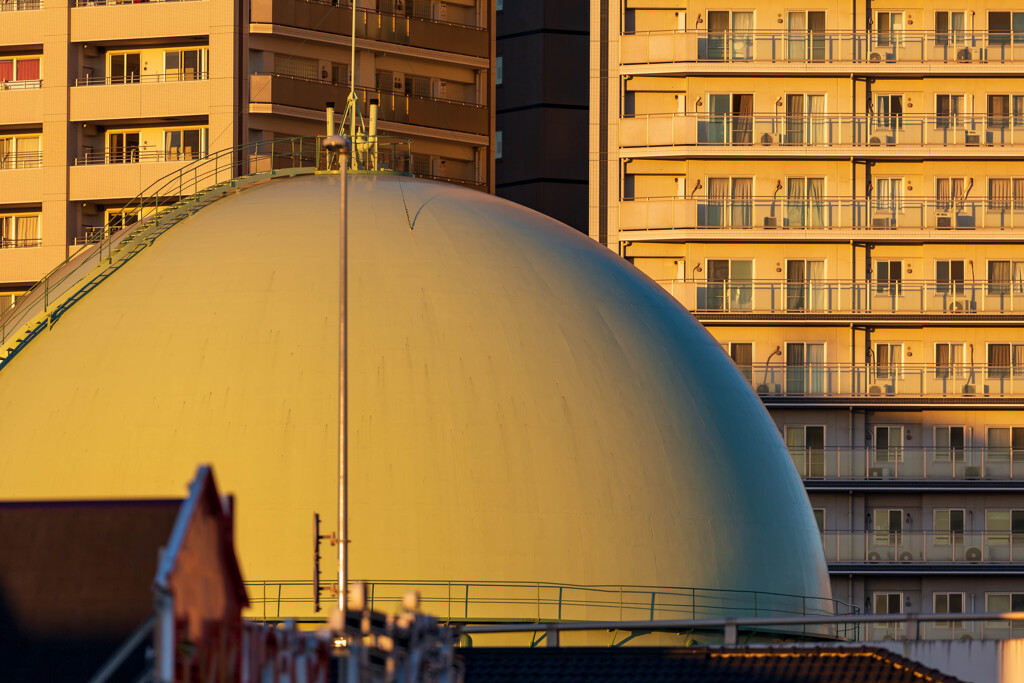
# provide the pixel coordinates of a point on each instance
(134, 156)
(95, 3)
(21, 160)
(22, 85)
(869, 48)
(876, 382)
(915, 547)
(20, 242)
(755, 132)
(804, 212)
(835, 297)
(141, 78)
(17, 5)
(897, 463)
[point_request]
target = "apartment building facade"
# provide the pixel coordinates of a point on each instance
(836, 190)
(100, 98)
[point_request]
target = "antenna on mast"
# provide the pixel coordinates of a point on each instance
(352, 112)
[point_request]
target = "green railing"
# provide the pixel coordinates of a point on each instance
(535, 602)
(167, 201)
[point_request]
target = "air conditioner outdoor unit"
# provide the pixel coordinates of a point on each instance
(972, 471)
(874, 390)
(876, 56)
(972, 139)
(875, 472)
(881, 221)
(963, 54)
(767, 139)
(906, 556)
(770, 222)
(874, 557)
(874, 141)
(969, 389)
(956, 306)
(943, 220)
(973, 554)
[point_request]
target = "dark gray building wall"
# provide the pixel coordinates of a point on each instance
(542, 106)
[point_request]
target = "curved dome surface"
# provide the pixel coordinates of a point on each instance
(525, 406)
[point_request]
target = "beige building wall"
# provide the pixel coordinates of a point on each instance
(836, 190)
(117, 96)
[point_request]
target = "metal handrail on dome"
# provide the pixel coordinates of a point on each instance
(169, 200)
(533, 602)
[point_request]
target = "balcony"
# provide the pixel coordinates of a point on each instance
(912, 465)
(28, 262)
(102, 20)
(970, 548)
(799, 217)
(21, 102)
(20, 25)
(102, 175)
(322, 15)
(776, 135)
(103, 99)
(862, 383)
(400, 108)
(21, 184)
(828, 52)
(849, 301)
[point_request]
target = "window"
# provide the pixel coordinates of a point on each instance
(19, 230)
(1002, 526)
(498, 71)
(889, 28)
(948, 357)
(24, 69)
(804, 290)
(888, 444)
(499, 5)
(948, 111)
(123, 147)
(185, 144)
(949, 28)
(1003, 274)
(730, 35)
(949, 444)
(806, 445)
(742, 354)
(20, 151)
(949, 276)
(730, 118)
(887, 202)
(948, 526)
(1005, 443)
(949, 193)
(806, 36)
(888, 527)
(729, 202)
(729, 284)
(889, 277)
(125, 67)
(948, 603)
(889, 111)
(1004, 193)
(819, 519)
(805, 205)
(1004, 359)
(497, 144)
(805, 122)
(887, 603)
(888, 360)
(187, 65)
(805, 368)
(1004, 27)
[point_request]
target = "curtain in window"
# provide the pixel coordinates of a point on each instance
(27, 230)
(742, 36)
(740, 284)
(816, 361)
(718, 276)
(998, 277)
(816, 201)
(998, 111)
(718, 26)
(1018, 193)
(718, 193)
(796, 370)
(6, 150)
(6, 230)
(816, 26)
(6, 70)
(816, 122)
(742, 191)
(794, 119)
(942, 361)
(1018, 277)
(797, 48)
(999, 193)
(1018, 107)
(816, 278)
(796, 277)
(998, 360)
(28, 70)
(796, 200)
(948, 191)
(743, 119)
(1018, 360)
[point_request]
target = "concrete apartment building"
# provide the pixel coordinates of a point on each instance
(100, 98)
(836, 190)
(542, 106)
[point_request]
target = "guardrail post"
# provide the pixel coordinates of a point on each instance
(730, 634)
(552, 637)
(913, 627)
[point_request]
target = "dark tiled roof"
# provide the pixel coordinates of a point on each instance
(695, 665)
(75, 582)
